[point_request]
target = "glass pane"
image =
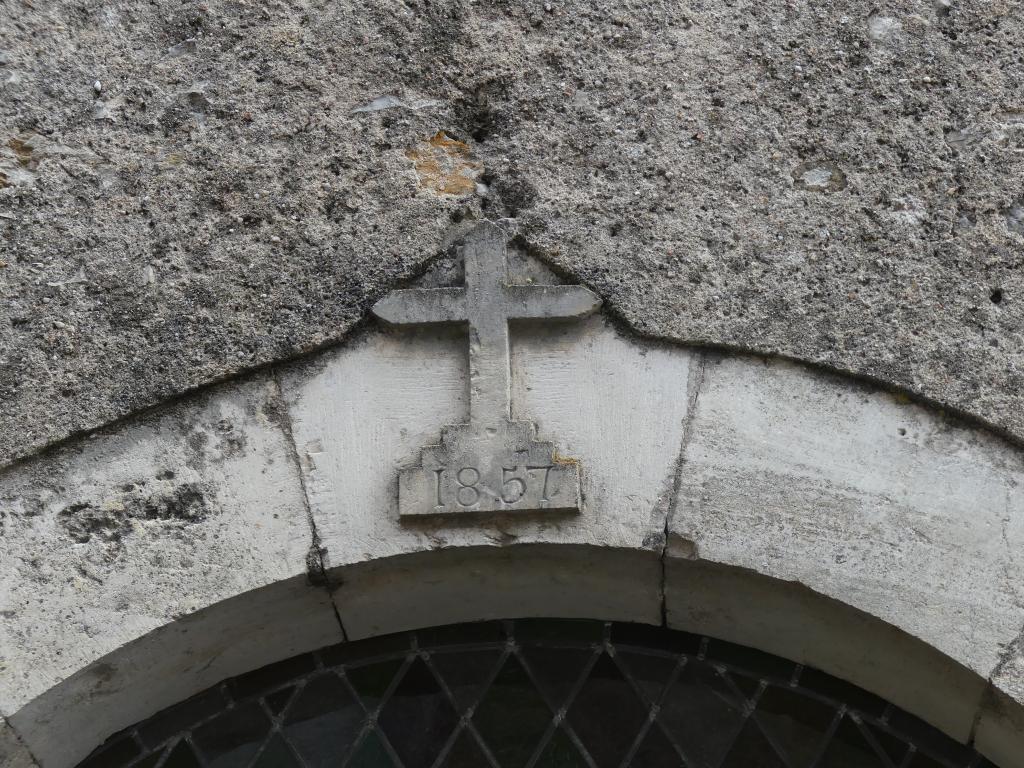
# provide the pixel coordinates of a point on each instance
(703, 713)
(371, 754)
(849, 749)
(795, 722)
(492, 695)
(607, 714)
(116, 753)
(278, 700)
(418, 718)
(149, 762)
(888, 744)
(230, 740)
(465, 753)
(752, 750)
(656, 752)
(182, 757)
(513, 716)
(466, 673)
(277, 755)
(560, 752)
(323, 721)
(372, 681)
(650, 672)
(159, 728)
(557, 670)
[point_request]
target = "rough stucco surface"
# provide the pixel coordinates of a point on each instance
(186, 191)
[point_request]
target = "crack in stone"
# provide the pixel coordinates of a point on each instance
(694, 385)
(315, 563)
(1014, 648)
(18, 741)
(983, 700)
(1007, 516)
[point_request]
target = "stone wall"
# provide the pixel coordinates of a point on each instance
(200, 201)
(193, 189)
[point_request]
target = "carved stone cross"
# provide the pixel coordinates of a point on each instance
(491, 464)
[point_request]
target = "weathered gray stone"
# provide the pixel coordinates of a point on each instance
(119, 537)
(361, 414)
(490, 464)
(13, 753)
(268, 623)
(479, 583)
(221, 204)
(1000, 721)
(502, 469)
(787, 618)
(863, 498)
(813, 517)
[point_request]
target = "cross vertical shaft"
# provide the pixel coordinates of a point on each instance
(489, 354)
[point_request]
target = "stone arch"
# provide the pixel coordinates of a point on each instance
(422, 590)
(739, 497)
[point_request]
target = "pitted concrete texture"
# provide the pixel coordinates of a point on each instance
(191, 189)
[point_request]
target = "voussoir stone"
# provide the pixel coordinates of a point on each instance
(190, 191)
(865, 500)
(364, 413)
(1000, 720)
(114, 547)
(13, 753)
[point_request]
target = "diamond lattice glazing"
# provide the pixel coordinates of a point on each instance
(534, 694)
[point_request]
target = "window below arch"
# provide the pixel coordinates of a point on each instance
(538, 694)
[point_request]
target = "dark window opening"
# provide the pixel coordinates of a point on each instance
(534, 694)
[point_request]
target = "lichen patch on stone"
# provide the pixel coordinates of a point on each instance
(110, 521)
(819, 177)
(1014, 216)
(445, 165)
(22, 150)
(17, 162)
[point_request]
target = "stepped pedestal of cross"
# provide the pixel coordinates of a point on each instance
(491, 464)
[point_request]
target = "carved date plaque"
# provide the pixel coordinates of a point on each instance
(508, 472)
(491, 464)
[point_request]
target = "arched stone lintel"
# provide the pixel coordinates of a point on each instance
(532, 580)
(999, 725)
(13, 753)
(755, 464)
(788, 619)
(452, 586)
(63, 725)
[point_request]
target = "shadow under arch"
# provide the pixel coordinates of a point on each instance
(459, 585)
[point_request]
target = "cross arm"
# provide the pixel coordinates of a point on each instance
(552, 301)
(417, 306)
